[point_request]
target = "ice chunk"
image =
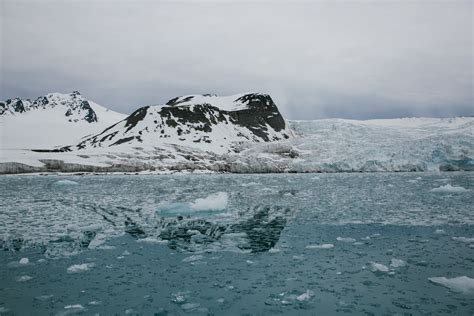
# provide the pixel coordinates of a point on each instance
(440, 232)
(449, 189)
(77, 268)
(397, 263)
(463, 239)
(44, 298)
(461, 284)
(193, 258)
(378, 267)
(321, 246)
(305, 296)
(345, 239)
(190, 306)
(73, 309)
(24, 261)
(214, 202)
(23, 278)
(274, 250)
(179, 297)
(65, 182)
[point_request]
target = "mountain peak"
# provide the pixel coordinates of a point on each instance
(75, 107)
(207, 121)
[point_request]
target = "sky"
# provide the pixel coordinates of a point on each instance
(319, 59)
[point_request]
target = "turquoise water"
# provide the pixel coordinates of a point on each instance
(237, 244)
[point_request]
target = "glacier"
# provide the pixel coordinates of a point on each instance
(330, 145)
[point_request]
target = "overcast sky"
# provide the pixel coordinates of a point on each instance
(352, 59)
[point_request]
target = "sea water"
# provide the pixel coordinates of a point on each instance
(293, 244)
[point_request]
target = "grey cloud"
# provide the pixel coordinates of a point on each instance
(317, 59)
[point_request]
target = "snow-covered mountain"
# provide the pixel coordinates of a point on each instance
(205, 122)
(242, 133)
(51, 120)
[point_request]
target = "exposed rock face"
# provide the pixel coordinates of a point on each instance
(75, 107)
(207, 122)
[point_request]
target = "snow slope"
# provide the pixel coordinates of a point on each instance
(194, 122)
(52, 120)
(242, 133)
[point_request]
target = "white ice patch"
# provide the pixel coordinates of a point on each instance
(77, 268)
(72, 309)
(345, 239)
(65, 182)
(24, 261)
(378, 267)
(306, 296)
(461, 284)
(321, 246)
(193, 258)
(24, 278)
(463, 239)
(449, 189)
(214, 202)
(397, 263)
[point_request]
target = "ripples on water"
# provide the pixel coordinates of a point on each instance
(236, 244)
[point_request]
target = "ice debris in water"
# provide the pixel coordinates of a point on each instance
(461, 284)
(179, 297)
(322, 246)
(397, 263)
(274, 250)
(24, 261)
(214, 202)
(305, 296)
(190, 306)
(345, 239)
(65, 182)
(463, 239)
(378, 267)
(440, 232)
(77, 268)
(449, 189)
(23, 278)
(72, 309)
(193, 258)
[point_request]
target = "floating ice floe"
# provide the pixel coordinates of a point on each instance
(461, 284)
(440, 232)
(65, 182)
(24, 261)
(190, 306)
(397, 263)
(274, 250)
(448, 188)
(463, 239)
(44, 298)
(345, 239)
(306, 296)
(378, 267)
(72, 309)
(193, 258)
(321, 246)
(214, 202)
(77, 268)
(24, 278)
